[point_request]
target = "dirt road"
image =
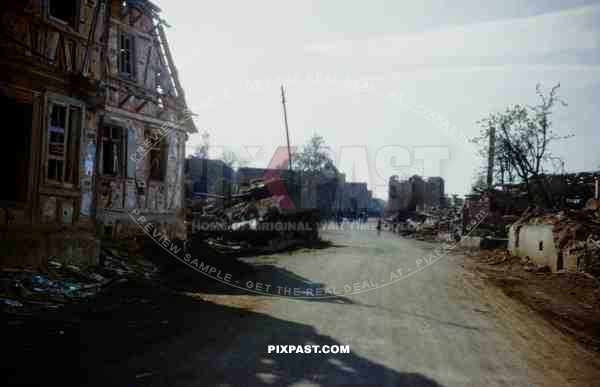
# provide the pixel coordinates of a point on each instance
(442, 326)
(438, 325)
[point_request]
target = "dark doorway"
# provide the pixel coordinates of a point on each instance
(559, 262)
(14, 148)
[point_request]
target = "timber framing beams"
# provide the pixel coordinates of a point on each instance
(147, 119)
(132, 88)
(141, 106)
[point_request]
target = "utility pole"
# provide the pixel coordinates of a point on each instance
(491, 154)
(287, 132)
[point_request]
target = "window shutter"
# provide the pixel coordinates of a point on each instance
(131, 147)
(52, 44)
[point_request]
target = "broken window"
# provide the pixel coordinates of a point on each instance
(64, 11)
(113, 143)
(158, 160)
(64, 126)
(16, 116)
(126, 55)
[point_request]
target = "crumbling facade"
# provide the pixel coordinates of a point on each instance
(142, 127)
(434, 193)
(85, 86)
(416, 194)
(355, 197)
(564, 240)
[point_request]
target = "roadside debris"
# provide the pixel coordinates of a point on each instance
(24, 290)
(254, 220)
(426, 225)
(569, 301)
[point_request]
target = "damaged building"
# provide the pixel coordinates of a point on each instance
(415, 194)
(91, 94)
(563, 240)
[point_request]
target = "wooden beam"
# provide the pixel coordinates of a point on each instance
(132, 88)
(135, 19)
(148, 57)
(137, 110)
(131, 30)
(170, 62)
(124, 100)
(143, 118)
(92, 34)
(104, 40)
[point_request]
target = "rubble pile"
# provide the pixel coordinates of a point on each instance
(254, 218)
(569, 300)
(501, 257)
(496, 257)
(576, 234)
(56, 284)
(426, 225)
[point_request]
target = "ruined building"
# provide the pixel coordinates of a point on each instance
(356, 197)
(434, 193)
(96, 124)
(415, 194)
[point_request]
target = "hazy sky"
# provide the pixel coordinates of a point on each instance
(461, 59)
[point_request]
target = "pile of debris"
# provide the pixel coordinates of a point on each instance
(426, 225)
(56, 284)
(576, 234)
(570, 301)
(256, 217)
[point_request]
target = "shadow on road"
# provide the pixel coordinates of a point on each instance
(184, 278)
(140, 335)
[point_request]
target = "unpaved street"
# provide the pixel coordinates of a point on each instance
(442, 326)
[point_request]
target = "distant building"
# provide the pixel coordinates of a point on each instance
(456, 201)
(415, 194)
(399, 195)
(433, 193)
(355, 197)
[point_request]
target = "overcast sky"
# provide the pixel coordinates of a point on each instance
(461, 59)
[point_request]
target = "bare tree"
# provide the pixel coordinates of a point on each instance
(479, 184)
(524, 137)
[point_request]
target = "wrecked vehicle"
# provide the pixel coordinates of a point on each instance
(259, 216)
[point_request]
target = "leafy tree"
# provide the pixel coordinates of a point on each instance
(315, 175)
(314, 157)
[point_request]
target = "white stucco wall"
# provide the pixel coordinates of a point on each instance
(530, 237)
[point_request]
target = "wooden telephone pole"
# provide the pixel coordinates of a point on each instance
(285, 121)
(491, 158)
